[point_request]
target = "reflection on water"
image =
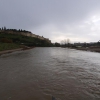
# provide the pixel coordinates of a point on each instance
(40, 73)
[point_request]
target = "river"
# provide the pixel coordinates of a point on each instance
(40, 73)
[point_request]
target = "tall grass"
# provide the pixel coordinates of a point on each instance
(8, 46)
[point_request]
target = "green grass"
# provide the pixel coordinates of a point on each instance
(8, 46)
(20, 39)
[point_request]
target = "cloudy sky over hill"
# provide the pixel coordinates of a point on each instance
(78, 20)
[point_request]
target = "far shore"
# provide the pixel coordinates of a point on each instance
(91, 49)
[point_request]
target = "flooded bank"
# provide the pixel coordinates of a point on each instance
(40, 73)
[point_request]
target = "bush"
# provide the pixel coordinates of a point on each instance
(5, 40)
(8, 46)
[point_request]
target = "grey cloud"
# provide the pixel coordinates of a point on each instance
(44, 17)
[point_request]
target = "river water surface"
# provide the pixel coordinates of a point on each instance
(40, 73)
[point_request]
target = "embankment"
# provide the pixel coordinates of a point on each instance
(10, 51)
(92, 49)
(13, 50)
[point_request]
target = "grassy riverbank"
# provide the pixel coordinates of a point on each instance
(23, 40)
(8, 46)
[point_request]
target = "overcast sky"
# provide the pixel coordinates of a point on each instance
(77, 20)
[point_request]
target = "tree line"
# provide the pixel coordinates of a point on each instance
(15, 30)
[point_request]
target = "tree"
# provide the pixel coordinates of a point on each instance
(4, 28)
(65, 42)
(68, 42)
(57, 44)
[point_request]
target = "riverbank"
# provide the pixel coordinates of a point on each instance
(10, 51)
(92, 49)
(9, 46)
(13, 50)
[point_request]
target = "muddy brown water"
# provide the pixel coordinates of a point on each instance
(40, 73)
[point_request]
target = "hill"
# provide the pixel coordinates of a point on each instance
(22, 38)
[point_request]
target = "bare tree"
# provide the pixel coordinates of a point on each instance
(65, 42)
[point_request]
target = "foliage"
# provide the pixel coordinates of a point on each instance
(20, 39)
(8, 46)
(5, 40)
(57, 44)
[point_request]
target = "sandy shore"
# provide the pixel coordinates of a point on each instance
(13, 50)
(10, 51)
